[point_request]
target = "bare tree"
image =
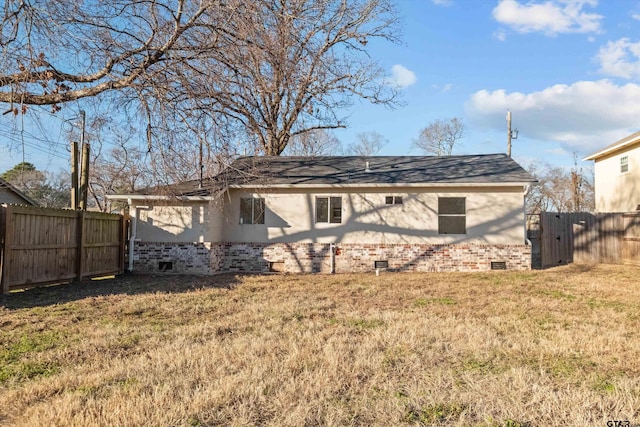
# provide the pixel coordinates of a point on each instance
(55, 51)
(120, 170)
(367, 144)
(560, 190)
(293, 64)
(316, 142)
(49, 190)
(440, 136)
(271, 69)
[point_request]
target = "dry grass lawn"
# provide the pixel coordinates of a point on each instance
(555, 347)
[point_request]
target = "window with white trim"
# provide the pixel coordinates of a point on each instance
(252, 210)
(452, 216)
(329, 209)
(624, 164)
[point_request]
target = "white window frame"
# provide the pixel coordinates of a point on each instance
(331, 200)
(624, 164)
(253, 210)
(393, 200)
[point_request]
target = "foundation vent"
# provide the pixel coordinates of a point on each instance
(165, 265)
(498, 265)
(381, 264)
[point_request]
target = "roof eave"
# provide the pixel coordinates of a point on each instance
(393, 185)
(127, 197)
(612, 148)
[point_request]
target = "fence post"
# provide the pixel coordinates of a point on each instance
(123, 242)
(4, 283)
(80, 244)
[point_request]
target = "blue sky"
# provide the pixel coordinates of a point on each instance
(569, 70)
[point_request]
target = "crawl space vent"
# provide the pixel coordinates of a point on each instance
(498, 265)
(165, 265)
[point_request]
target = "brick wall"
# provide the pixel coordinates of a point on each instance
(185, 258)
(207, 258)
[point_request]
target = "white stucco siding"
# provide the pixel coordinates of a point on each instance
(493, 216)
(193, 222)
(618, 191)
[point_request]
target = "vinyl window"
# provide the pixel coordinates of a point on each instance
(393, 200)
(252, 210)
(329, 209)
(624, 164)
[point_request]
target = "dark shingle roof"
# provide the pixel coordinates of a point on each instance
(351, 170)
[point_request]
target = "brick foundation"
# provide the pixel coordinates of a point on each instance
(208, 258)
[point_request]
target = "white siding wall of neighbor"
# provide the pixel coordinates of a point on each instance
(8, 196)
(617, 190)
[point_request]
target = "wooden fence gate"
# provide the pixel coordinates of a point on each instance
(612, 238)
(631, 239)
(43, 245)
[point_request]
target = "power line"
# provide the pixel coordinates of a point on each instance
(14, 138)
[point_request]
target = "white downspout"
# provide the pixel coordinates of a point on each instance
(133, 226)
(332, 248)
(526, 191)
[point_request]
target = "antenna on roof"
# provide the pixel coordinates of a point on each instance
(511, 134)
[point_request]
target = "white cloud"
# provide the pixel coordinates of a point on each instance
(620, 58)
(584, 116)
(500, 35)
(402, 76)
(442, 2)
(559, 151)
(444, 88)
(550, 17)
(636, 16)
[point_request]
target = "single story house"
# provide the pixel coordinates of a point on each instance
(11, 195)
(337, 214)
(617, 175)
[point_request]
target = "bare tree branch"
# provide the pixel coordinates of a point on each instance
(367, 144)
(440, 137)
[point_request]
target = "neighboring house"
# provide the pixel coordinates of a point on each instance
(323, 214)
(617, 175)
(11, 195)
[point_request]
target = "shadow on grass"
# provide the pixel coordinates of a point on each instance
(126, 284)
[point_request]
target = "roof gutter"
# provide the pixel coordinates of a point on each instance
(131, 197)
(610, 150)
(394, 185)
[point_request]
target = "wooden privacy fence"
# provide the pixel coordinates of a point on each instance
(612, 238)
(43, 245)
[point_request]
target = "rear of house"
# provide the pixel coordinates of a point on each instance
(338, 214)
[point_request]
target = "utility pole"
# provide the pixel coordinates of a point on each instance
(74, 175)
(511, 134)
(83, 171)
(76, 168)
(201, 165)
(84, 177)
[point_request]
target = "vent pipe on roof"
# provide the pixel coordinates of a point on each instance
(366, 167)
